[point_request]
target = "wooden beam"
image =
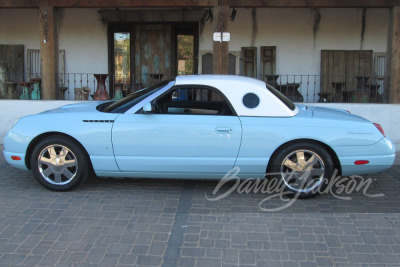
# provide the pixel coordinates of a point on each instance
(196, 3)
(23, 3)
(49, 51)
(220, 49)
(162, 15)
(310, 3)
(107, 3)
(392, 77)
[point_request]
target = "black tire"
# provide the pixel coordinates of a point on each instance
(59, 163)
(306, 176)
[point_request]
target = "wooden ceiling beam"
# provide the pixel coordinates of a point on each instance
(23, 3)
(106, 3)
(195, 3)
(310, 3)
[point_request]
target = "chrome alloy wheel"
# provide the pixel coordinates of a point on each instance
(57, 164)
(302, 170)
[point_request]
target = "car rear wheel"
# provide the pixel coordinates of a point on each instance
(304, 168)
(59, 163)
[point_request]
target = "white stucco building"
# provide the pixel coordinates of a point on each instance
(329, 51)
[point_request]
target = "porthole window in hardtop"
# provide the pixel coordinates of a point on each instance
(251, 100)
(192, 100)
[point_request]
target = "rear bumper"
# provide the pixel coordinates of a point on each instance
(376, 164)
(381, 156)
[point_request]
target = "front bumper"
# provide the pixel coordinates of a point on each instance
(20, 164)
(16, 145)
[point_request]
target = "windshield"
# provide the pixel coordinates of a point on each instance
(129, 101)
(281, 97)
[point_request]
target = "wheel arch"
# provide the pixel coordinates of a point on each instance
(331, 152)
(40, 137)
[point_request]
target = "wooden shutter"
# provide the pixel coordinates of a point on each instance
(207, 64)
(14, 56)
(268, 60)
(232, 64)
(34, 68)
(344, 66)
(249, 60)
(380, 66)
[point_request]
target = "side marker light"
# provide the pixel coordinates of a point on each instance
(361, 162)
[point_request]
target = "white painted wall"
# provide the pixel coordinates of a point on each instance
(84, 37)
(81, 34)
(291, 31)
(384, 114)
(20, 27)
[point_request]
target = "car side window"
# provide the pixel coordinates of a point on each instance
(194, 101)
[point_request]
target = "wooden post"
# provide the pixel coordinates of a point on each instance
(392, 75)
(220, 49)
(49, 51)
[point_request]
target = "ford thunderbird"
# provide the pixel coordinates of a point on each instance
(198, 127)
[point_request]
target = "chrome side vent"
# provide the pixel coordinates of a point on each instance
(100, 121)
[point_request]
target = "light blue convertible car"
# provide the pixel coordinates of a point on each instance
(198, 127)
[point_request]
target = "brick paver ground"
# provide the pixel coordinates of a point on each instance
(153, 222)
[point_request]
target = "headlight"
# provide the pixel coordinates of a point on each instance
(15, 122)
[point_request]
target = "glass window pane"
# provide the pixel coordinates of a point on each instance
(185, 54)
(122, 57)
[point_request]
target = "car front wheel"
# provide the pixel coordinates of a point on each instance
(59, 163)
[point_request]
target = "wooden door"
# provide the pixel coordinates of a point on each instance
(153, 53)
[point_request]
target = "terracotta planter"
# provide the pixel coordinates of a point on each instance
(101, 92)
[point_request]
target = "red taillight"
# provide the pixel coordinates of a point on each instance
(379, 127)
(15, 158)
(361, 162)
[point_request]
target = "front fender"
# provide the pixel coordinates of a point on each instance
(91, 131)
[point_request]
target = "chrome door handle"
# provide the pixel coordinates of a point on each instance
(223, 130)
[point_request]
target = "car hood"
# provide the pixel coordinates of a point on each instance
(78, 107)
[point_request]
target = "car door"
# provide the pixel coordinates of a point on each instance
(186, 136)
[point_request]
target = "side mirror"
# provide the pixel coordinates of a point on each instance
(148, 108)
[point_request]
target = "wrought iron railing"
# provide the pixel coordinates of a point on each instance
(329, 88)
(75, 86)
(298, 88)
(82, 86)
